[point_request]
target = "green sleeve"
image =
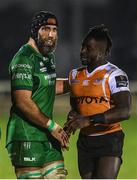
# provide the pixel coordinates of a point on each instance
(21, 71)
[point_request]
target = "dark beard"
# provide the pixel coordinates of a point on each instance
(84, 62)
(44, 50)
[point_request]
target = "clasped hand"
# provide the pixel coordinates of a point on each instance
(75, 121)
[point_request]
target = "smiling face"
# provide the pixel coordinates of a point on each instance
(93, 51)
(47, 38)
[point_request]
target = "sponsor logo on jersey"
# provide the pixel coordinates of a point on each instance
(45, 59)
(44, 69)
(52, 61)
(85, 82)
(89, 99)
(97, 81)
(21, 66)
(27, 145)
(41, 64)
(50, 76)
(52, 64)
(32, 159)
(51, 82)
(21, 76)
(121, 81)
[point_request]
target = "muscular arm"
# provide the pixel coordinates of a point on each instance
(23, 101)
(122, 108)
(62, 86)
(120, 112)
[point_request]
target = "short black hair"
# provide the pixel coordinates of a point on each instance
(100, 32)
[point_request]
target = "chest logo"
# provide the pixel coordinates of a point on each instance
(45, 59)
(52, 64)
(44, 69)
(41, 64)
(97, 81)
(85, 82)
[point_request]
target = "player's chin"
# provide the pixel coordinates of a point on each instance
(49, 48)
(84, 62)
(51, 43)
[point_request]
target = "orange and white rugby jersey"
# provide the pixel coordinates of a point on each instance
(91, 94)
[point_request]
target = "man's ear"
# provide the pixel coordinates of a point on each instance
(108, 53)
(100, 54)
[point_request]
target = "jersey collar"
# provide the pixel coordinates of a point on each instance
(96, 69)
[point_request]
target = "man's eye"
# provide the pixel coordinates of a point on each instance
(55, 29)
(44, 28)
(88, 47)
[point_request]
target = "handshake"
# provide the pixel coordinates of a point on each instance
(75, 121)
(68, 126)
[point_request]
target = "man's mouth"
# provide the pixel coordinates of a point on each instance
(83, 58)
(49, 42)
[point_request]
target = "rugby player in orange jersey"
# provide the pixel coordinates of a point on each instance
(100, 98)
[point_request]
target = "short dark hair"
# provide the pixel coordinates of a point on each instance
(100, 32)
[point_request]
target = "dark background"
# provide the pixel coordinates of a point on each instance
(75, 18)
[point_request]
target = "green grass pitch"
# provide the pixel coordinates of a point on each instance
(61, 108)
(128, 168)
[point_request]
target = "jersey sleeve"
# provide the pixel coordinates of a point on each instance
(118, 81)
(72, 76)
(21, 71)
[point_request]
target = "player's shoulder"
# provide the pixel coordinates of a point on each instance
(75, 71)
(115, 70)
(118, 80)
(26, 52)
(22, 56)
(118, 77)
(20, 60)
(79, 69)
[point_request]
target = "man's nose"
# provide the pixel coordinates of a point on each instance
(83, 50)
(50, 33)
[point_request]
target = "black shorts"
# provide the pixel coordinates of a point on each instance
(90, 147)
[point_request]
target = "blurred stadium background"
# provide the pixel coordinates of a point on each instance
(75, 18)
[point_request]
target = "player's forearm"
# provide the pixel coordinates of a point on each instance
(117, 114)
(113, 115)
(31, 111)
(121, 110)
(34, 115)
(62, 86)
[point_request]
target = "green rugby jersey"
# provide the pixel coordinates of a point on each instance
(29, 70)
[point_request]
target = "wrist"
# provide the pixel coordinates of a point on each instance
(51, 125)
(98, 118)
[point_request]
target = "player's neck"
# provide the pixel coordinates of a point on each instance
(93, 66)
(32, 43)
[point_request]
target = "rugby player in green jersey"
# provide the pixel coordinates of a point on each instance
(34, 140)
